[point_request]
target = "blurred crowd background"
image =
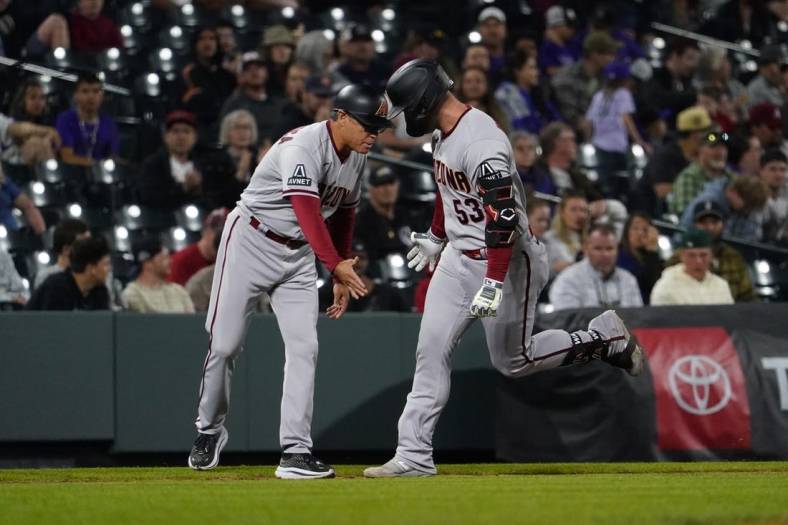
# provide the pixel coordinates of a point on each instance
(650, 136)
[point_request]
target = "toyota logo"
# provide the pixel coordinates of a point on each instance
(699, 385)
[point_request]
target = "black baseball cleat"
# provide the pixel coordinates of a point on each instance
(621, 348)
(302, 466)
(206, 449)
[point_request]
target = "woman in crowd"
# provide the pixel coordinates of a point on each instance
(474, 90)
(521, 99)
(526, 151)
(639, 252)
(237, 135)
(564, 241)
(29, 105)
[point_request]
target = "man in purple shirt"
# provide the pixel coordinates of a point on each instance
(557, 51)
(87, 135)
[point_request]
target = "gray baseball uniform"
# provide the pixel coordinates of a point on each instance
(263, 250)
(475, 148)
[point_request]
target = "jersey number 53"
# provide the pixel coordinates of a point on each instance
(466, 215)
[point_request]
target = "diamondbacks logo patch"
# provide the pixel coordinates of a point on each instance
(299, 178)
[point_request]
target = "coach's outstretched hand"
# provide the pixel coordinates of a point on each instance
(426, 250)
(345, 274)
(341, 301)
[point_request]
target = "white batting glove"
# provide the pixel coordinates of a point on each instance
(487, 299)
(426, 250)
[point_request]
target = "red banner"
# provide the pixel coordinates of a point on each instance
(700, 389)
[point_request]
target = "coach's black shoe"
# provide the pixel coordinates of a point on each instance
(302, 466)
(206, 449)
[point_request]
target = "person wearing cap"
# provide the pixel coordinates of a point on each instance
(277, 50)
(316, 98)
(767, 86)
(358, 62)
(196, 256)
(253, 96)
(766, 123)
(150, 292)
(691, 281)
(575, 84)
(208, 84)
(742, 200)
(711, 164)
(726, 261)
(774, 167)
(65, 234)
(492, 28)
(520, 97)
(382, 227)
(610, 117)
(172, 177)
(671, 85)
(667, 162)
(556, 51)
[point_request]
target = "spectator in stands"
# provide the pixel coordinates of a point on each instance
(638, 252)
(538, 212)
(200, 254)
(738, 20)
(171, 178)
(668, 161)
(492, 28)
(12, 197)
(318, 90)
(427, 45)
(476, 55)
(742, 201)
(66, 233)
(691, 281)
(228, 46)
(87, 133)
(358, 64)
(90, 30)
(610, 117)
(29, 105)
(13, 294)
(711, 164)
(150, 292)
(596, 281)
(521, 99)
(575, 85)
(82, 286)
(277, 50)
(50, 34)
(315, 51)
(238, 135)
(559, 156)
(297, 74)
(557, 50)
(474, 90)
(774, 166)
(726, 261)
(715, 70)
(524, 147)
(208, 84)
(565, 238)
(766, 124)
(252, 95)
(380, 225)
(744, 155)
(654, 127)
(767, 86)
(671, 85)
(711, 98)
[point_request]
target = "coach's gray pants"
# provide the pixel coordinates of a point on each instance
(513, 351)
(248, 264)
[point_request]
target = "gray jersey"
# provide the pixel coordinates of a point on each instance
(305, 161)
(475, 148)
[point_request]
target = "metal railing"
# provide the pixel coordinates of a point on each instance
(54, 73)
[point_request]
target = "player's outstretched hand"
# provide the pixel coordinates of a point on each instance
(346, 275)
(487, 299)
(425, 251)
(341, 301)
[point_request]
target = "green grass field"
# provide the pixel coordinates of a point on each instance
(554, 494)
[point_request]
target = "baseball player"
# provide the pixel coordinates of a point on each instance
(490, 267)
(269, 245)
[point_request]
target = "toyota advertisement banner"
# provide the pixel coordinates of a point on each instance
(716, 386)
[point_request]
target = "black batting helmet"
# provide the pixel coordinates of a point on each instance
(365, 105)
(417, 89)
